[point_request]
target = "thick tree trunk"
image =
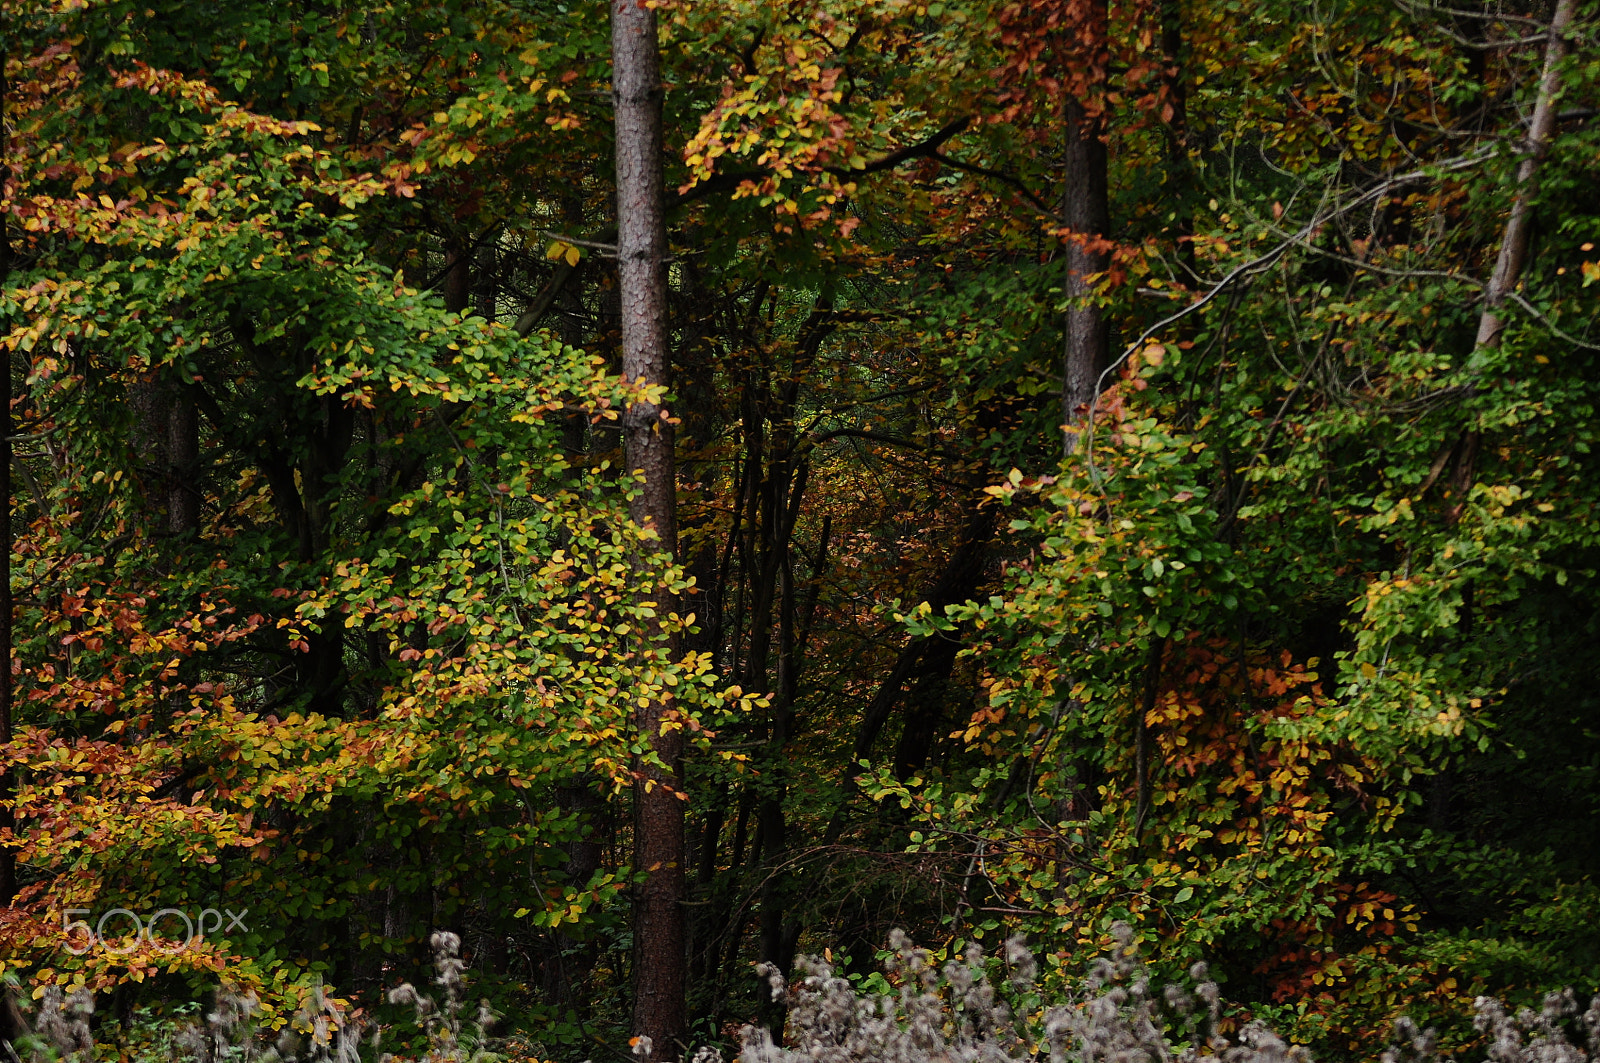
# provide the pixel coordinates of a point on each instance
(659, 961)
(1514, 243)
(1086, 211)
(150, 401)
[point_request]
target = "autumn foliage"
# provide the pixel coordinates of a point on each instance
(1101, 501)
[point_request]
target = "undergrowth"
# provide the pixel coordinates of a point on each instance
(970, 1010)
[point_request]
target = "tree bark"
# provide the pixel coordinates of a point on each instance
(925, 704)
(957, 582)
(183, 469)
(569, 958)
(488, 268)
(1086, 211)
(1180, 173)
(659, 1011)
(1514, 243)
(457, 278)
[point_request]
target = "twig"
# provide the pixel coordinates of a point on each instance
(1533, 312)
(593, 245)
(1260, 263)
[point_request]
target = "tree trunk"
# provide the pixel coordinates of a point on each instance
(926, 702)
(658, 847)
(956, 583)
(569, 959)
(1086, 211)
(488, 281)
(183, 467)
(1514, 244)
(457, 278)
(1180, 174)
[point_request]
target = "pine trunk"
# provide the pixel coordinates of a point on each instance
(659, 961)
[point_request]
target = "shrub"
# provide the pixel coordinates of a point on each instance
(960, 1014)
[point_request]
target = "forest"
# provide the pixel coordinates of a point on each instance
(601, 508)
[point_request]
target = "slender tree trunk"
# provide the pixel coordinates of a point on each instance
(569, 958)
(1514, 243)
(779, 933)
(1141, 736)
(183, 470)
(1086, 211)
(368, 909)
(956, 583)
(659, 1011)
(1177, 93)
(457, 278)
(925, 705)
(1180, 173)
(488, 266)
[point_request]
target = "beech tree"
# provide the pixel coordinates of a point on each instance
(404, 540)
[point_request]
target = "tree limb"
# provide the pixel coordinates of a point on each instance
(727, 181)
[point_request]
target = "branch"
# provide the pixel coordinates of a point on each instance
(593, 245)
(29, 438)
(1004, 178)
(1488, 16)
(726, 181)
(927, 149)
(1514, 240)
(483, 238)
(1267, 258)
(1533, 311)
(879, 437)
(547, 298)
